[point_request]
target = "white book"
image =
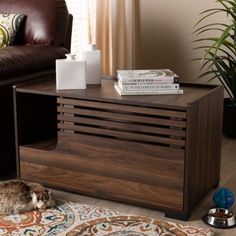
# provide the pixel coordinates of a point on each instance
(147, 76)
(156, 92)
(149, 87)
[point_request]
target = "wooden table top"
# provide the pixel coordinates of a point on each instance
(106, 92)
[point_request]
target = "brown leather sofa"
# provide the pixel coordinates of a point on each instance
(44, 36)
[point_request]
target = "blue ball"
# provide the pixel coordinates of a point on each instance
(223, 198)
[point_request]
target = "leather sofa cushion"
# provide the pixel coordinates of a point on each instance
(46, 20)
(27, 59)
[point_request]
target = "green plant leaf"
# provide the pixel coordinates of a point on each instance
(212, 78)
(219, 52)
(223, 37)
(206, 63)
(225, 43)
(232, 3)
(217, 43)
(224, 81)
(224, 52)
(234, 36)
(223, 72)
(228, 9)
(208, 73)
(212, 24)
(210, 14)
(210, 29)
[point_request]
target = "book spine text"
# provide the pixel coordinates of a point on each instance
(148, 87)
(132, 92)
(160, 80)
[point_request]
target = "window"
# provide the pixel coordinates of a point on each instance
(84, 22)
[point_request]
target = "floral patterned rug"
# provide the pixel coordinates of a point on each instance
(74, 219)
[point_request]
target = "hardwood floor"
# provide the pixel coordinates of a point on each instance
(228, 180)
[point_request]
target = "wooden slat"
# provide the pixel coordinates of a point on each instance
(121, 126)
(123, 117)
(122, 135)
(68, 141)
(122, 108)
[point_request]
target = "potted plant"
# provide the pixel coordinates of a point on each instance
(219, 55)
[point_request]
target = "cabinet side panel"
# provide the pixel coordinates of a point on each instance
(203, 149)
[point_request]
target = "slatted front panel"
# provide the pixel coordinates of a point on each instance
(116, 151)
(125, 122)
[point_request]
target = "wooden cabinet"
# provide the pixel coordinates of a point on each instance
(160, 151)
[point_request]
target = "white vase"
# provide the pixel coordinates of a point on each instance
(92, 56)
(70, 73)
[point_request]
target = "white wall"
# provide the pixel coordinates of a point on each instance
(79, 10)
(165, 34)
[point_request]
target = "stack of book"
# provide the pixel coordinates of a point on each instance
(147, 82)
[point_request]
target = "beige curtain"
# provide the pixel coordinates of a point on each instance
(117, 34)
(91, 4)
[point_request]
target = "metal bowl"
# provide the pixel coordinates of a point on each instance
(220, 218)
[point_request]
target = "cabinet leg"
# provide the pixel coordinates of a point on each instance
(217, 184)
(177, 215)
